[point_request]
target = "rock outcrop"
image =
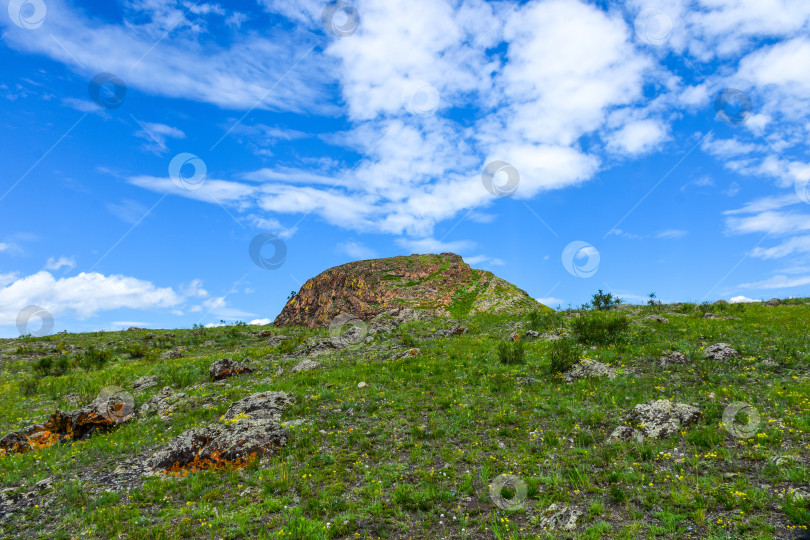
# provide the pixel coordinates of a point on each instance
(436, 284)
(657, 419)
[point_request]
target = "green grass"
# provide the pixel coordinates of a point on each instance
(412, 455)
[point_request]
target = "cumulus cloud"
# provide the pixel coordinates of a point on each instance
(84, 295)
(61, 262)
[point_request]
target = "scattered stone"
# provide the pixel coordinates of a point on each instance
(74, 400)
(657, 318)
(657, 419)
(560, 516)
(315, 347)
(47, 483)
(173, 354)
(274, 339)
(410, 353)
(783, 460)
(455, 330)
(589, 368)
(226, 367)
(710, 315)
(532, 334)
(260, 406)
(145, 382)
(306, 365)
(673, 357)
(361, 385)
(164, 403)
(134, 329)
(266, 380)
(104, 413)
(720, 352)
(251, 429)
(773, 302)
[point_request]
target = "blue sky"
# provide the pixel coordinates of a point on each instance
(633, 147)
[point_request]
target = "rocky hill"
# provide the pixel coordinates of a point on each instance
(438, 284)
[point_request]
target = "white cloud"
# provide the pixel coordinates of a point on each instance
(778, 282)
(85, 295)
(62, 262)
(638, 138)
(551, 301)
(671, 234)
(483, 260)
(797, 244)
(260, 322)
(185, 67)
(356, 250)
(742, 300)
(156, 134)
(431, 245)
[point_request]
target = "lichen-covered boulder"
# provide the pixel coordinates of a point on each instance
(657, 419)
(720, 352)
(673, 357)
(250, 428)
(113, 406)
(305, 365)
(589, 368)
(226, 367)
(164, 403)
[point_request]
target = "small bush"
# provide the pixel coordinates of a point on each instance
(604, 301)
(563, 354)
(93, 358)
(48, 366)
(407, 339)
(511, 353)
(29, 386)
(600, 328)
(136, 350)
(543, 322)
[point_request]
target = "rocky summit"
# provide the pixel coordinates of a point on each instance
(442, 285)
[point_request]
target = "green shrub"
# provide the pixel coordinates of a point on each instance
(93, 358)
(600, 328)
(29, 386)
(407, 339)
(563, 354)
(543, 322)
(604, 301)
(136, 350)
(511, 353)
(42, 367)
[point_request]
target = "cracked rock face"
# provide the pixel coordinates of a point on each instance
(657, 419)
(226, 367)
(720, 352)
(589, 368)
(145, 382)
(560, 516)
(251, 429)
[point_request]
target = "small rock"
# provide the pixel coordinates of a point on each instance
(532, 334)
(720, 352)
(305, 365)
(44, 484)
(773, 302)
(226, 367)
(173, 354)
(361, 385)
(164, 403)
(674, 357)
(589, 368)
(657, 318)
(657, 419)
(145, 382)
(410, 353)
(711, 315)
(559, 516)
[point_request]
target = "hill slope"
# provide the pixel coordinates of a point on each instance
(439, 284)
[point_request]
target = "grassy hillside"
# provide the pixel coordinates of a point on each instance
(415, 452)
